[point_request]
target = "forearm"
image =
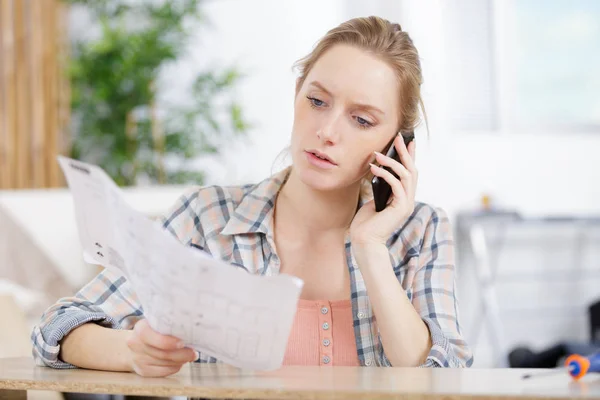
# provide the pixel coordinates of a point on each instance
(405, 336)
(92, 346)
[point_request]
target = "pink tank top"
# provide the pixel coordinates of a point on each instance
(322, 334)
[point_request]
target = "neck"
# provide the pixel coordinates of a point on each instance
(313, 211)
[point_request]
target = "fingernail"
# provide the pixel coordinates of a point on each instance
(377, 153)
(373, 165)
(197, 356)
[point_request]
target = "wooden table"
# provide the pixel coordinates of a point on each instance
(17, 375)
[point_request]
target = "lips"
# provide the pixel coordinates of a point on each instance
(322, 156)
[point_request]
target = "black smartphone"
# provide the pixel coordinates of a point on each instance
(381, 189)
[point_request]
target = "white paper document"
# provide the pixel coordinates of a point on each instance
(214, 307)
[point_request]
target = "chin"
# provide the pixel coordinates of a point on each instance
(322, 180)
(317, 180)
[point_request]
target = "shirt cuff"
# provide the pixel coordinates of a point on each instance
(439, 354)
(46, 339)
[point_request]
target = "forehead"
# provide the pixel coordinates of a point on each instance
(354, 73)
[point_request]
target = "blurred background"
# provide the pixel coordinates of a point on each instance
(164, 94)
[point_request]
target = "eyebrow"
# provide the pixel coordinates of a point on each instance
(362, 106)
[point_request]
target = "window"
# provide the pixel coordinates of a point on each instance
(523, 65)
(548, 58)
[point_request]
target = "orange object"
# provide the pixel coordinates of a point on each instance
(577, 366)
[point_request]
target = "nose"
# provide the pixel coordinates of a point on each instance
(329, 131)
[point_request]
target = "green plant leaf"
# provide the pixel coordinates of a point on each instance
(113, 85)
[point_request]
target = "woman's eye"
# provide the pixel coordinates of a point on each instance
(316, 102)
(363, 122)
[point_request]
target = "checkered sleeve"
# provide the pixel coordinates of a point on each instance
(108, 300)
(434, 295)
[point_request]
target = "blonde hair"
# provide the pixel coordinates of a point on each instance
(387, 41)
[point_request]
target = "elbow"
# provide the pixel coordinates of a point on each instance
(448, 350)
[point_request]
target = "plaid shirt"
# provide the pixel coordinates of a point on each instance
(236, 224)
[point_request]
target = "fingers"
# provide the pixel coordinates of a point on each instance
(163, 357)
(152, 338)
(154, 354)
(153, 371)
(395, 184)
(406, 154)
(406, 170)
(398, 168)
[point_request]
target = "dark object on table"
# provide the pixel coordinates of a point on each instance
(552, 357)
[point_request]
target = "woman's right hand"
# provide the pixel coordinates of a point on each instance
(156, 355)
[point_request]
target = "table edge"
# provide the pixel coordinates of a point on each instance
(218, 392)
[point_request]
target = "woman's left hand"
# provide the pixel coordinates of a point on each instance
(371, 227)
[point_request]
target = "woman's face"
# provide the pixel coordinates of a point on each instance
(346, 108)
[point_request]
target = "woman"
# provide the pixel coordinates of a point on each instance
(378, 286)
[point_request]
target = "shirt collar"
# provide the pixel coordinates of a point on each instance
(254, 213)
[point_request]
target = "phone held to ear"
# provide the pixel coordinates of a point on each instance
(381, 189)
